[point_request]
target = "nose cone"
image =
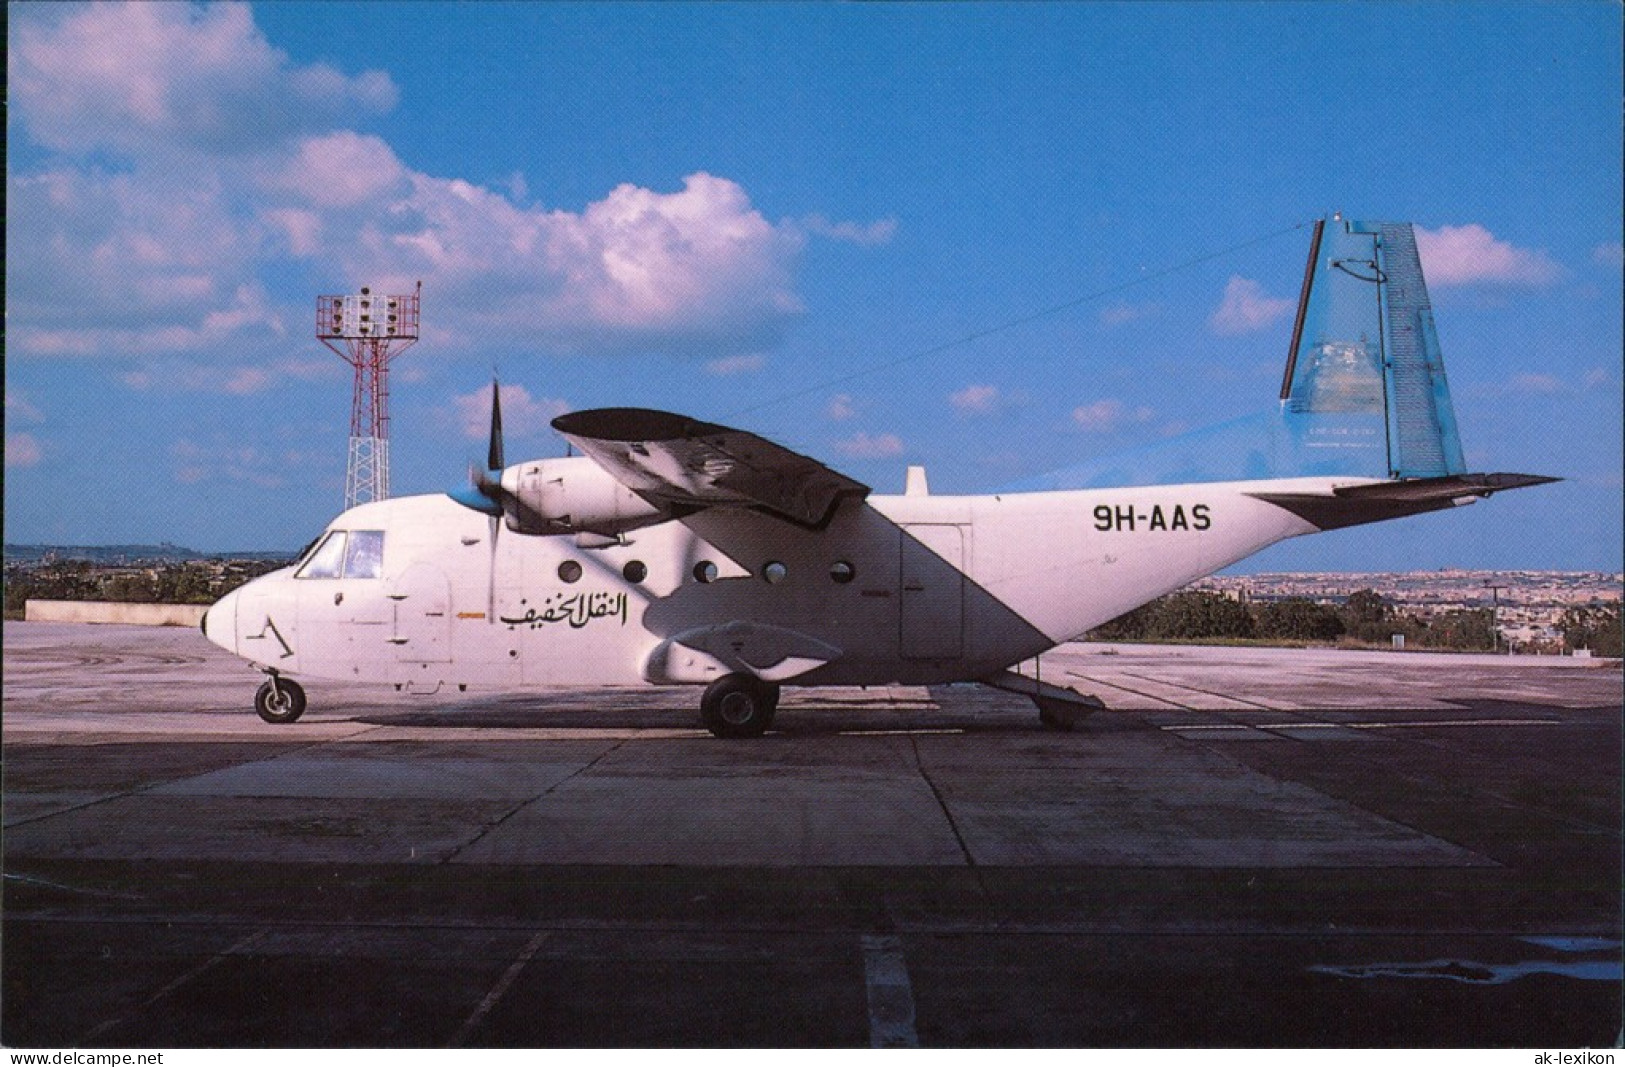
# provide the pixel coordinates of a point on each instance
(220, 622)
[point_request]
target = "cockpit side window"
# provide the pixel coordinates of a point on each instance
(346, 554)
(328, 559)
(365, 559)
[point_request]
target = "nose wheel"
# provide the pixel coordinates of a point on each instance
(280, 701)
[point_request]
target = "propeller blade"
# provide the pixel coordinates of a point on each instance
(491, 571)
(493, 458)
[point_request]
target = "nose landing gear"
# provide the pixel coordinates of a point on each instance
(280, 700)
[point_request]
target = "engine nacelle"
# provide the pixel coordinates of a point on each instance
(573, 495)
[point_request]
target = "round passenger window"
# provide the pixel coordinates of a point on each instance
(705, 571)
(570, 571)
(841, 572)
(634, 571)
(774, 572)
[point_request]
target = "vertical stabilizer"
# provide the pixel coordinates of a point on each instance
(1365, 377)
(1364, 395)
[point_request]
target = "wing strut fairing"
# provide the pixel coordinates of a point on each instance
(681, 465)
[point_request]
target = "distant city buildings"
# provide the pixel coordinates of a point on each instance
(1529, 605)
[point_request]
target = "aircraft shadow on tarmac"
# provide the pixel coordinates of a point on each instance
(814, 713)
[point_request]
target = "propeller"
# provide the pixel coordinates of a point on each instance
(485, 494)
(493, 453)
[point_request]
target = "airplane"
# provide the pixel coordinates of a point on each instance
(673, 551)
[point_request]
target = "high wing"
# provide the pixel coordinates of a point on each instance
(681, 465)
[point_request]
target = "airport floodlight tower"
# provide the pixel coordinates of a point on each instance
(367, 330)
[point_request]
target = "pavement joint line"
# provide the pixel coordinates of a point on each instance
(498, 990)
(1209, 692)
(901, 733)
(26, 880)
(1126, 689)
(152, 787)
(942, 803)
(996, 928)
(528, 801)
(890, 997)
(1416, 725)
(196, 972)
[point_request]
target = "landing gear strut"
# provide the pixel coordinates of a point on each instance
(739, 705)
(280, 700)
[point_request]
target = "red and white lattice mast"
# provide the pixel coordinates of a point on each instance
(367, 331)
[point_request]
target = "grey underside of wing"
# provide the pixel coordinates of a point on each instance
(686, 464)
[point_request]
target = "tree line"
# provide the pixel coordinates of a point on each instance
(191, 582)
(1366, 617)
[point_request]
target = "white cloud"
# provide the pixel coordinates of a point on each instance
(975, 399)
(134, 264)
(20, 410)
(1123, 312)
(23, 450)
(841, 407)
(1539, 384)
(337, 170)
(217, 160)
(698, 270)
(225, 461)
(1535, 384)
(1611, 254)
(300, 229)
(1108, 416)
(1598, 378)
(176, 377)
(1466, 255)
(119, 262)
(1246, 308)
(150, 78)
(522, 414)
(867, 235)
(728, 366)
(316, 369)
(863, 445)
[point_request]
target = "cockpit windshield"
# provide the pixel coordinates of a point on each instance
(346, 554)
(365, 556)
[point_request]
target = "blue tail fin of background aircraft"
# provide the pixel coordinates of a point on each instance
(1364, 394)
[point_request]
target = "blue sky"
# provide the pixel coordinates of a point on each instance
(767, 215)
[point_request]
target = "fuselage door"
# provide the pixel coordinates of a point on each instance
(933, 592)
(422, 625)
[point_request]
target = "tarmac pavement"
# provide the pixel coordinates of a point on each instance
(1252, 847)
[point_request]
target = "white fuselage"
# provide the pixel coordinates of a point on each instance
(912, 589)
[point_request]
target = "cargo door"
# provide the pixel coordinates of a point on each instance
(422, 621)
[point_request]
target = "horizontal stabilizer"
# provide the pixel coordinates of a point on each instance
(1447, 488)
(1352, 505)
(684, 464)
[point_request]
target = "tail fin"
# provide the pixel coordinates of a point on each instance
(1364, 373)
(1364, 394)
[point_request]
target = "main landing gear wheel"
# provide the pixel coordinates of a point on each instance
(280, 700)
(739, 705)
(1054, 721)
